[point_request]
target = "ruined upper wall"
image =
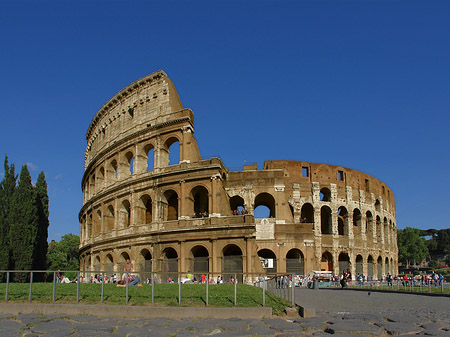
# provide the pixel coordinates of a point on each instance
(150, 100)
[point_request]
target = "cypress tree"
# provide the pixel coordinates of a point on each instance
(41, 246)
(7, 187)
(24, 222)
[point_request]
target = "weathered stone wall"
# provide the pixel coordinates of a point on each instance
(184, 215)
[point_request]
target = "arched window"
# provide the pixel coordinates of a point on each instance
(370, 268)
(268, 261)
(170, 264)
(386, 266)
(357, 222)
(126, 208)
(326, 263)
(200, 197)
(236, 204)
(379, 268)
(171, 205)
(369, 222)
(377, 205)
(342, 221)
(146, 204)
(200, 261)
(109, 264)
(325, 194)
(325, 220)
(307, 213)
(112, 171)
(268, 202)
(378, 227)
(109, 218)
(129, 161)
(146, 264)
(232, 262)
(386, 230)
(344, 262)
(295, 262)
(359, 265)
(173, 151)
(150, 154)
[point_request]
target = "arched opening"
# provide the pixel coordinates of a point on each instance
(97, 265)
(232, 263)
(129, 161)
(92, 186)
(109, 265)
(295, 262)
(112, 171)
(386, 266)
(377, 205)
(171, 205)
(307, 213)
(386, 230)
(344, 263)
(268, 202)
(123, 259)
(200, 261)
(379, 268)
(237, 205)
(325, 194)
(146, 204)
(200, 197)
(369, 222)
(357, 222)
(101, 178)
(126, 210)
(370, 268)
(146, 264)
(325, 220)
(268, 261)
(173, 149)
(326, 263)
(150, 155)
(170, 264)
(342, 221)
(378, 228)
(392, 266)
(359, 265)
(109, 218)
(98, 223)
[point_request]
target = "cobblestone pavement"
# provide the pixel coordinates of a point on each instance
(342, 313)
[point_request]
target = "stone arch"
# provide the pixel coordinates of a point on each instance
(370, 268)
(386, 230)
(232, 262)
(268, 260)
(101, 177)
(97, 222)
(169, 264)
(92, 185)
(145, 263)
(128, 162)
(386, 265)
(146, 216)
(344, 262)
(379, 268)
(199, 260)
(109, 264)
(109, 218)
(326, 263)
(267, 200)
(126, 211)
(357, 221)
(369, 222)
(377, 205)
(359, 264)
(171, 144)
(295, 262)
(325, 194)
(307, 213)
(235, 203)
(325, 220)
(149, 155)
(112, 171)
(342, 221)
(170, 205)
(123, 257)
(378, 227)
(392, 266)
(200, 199)
(97, 264)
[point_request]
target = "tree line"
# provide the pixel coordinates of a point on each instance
(23, 222)
(429, 247)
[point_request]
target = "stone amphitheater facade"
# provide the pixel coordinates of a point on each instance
(190, 214)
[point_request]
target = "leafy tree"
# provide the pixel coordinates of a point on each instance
(41, 246)
(63, 255)
(24, 221)
(411, 247)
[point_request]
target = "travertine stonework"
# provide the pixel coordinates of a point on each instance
(179, 216)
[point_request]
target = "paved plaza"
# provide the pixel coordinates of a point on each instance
(338, 312)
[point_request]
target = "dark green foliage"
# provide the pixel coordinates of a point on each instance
(411, 247)
(64, 254)
(41, 246)
(24, 222)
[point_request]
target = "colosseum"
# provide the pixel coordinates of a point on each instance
(187, 214)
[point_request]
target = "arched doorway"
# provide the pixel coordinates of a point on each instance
(307, 214)
(232, 262)
(325, 220)
(326, 262)
(359, 265)
(199, 261)
(379, 268)
(170, 264)
(266, 200)
(370, 268)
(171, 207)
(342, 221)
(109, 265)
(268, 260)
(145, 266)
(201, 203)
(295, 262)
(344, 262)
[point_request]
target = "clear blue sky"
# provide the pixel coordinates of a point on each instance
(362, 84)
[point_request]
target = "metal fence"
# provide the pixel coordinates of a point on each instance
(401, 285)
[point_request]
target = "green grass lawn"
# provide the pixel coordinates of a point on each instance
(165, 295)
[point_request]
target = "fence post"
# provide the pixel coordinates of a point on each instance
(103, 286)
(264, 292)
(235, 299)
(7, 286)
(179, 289)
(126, 290)
(292, 290)
(207, 289)
(31, 286)
(153, 289)
(442, 286)
(54, 286)
(78, 287)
